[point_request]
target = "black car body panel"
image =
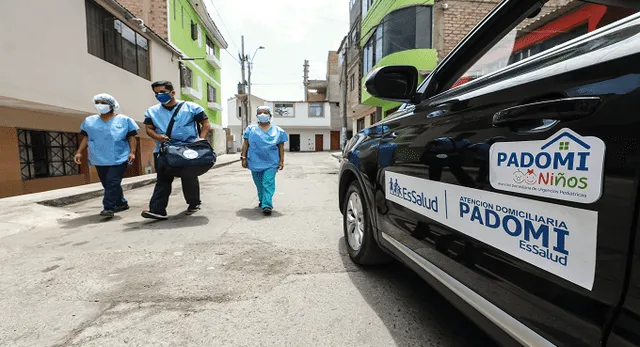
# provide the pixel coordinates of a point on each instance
(447, 137)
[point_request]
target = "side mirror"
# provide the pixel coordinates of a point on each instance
(393, 83)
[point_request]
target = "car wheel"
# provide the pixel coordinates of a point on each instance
(358, 234)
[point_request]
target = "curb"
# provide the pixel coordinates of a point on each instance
(71, 199)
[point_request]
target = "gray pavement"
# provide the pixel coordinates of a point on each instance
(227, 276)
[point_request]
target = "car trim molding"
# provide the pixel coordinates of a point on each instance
(501, 319)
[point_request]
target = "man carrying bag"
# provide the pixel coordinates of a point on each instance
(173, 125)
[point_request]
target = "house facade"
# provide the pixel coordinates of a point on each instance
(187, 26)
(97, 46)
(308, 123)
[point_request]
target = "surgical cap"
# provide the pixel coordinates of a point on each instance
(108, 99)
(264, 108)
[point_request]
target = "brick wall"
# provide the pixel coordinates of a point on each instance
(462, 16)
(152, 12)
(459, 18)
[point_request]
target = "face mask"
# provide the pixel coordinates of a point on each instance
(103, 109)
(263, 118)
(163, 97)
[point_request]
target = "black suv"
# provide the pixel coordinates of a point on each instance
(510, 178)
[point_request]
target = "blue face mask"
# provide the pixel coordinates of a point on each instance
(163, 97)
(264, 118)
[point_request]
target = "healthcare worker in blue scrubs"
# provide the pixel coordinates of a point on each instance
(263, 154)
(189, 117)
(111, 140)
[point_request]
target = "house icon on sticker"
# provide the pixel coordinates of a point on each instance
(565, 145)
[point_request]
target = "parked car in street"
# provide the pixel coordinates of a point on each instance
(510, 178)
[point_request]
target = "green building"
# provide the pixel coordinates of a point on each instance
(188, 27)
(396, 32)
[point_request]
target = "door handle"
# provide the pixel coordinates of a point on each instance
(552, 111)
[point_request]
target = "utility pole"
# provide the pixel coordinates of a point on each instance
(245, 118)
(249, 63)
(306, 80)
(345, 93)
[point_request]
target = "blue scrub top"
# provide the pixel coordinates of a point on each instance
(108, 144)
(263, 147)
(184, 129)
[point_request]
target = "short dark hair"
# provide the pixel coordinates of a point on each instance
(165, 84)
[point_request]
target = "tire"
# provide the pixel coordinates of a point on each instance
(358, 233)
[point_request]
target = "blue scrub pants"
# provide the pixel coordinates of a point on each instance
(266, 184)
(111, 179)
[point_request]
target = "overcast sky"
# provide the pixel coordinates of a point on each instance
(290, 30)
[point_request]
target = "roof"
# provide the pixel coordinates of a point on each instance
(210, 26)
(549, 17)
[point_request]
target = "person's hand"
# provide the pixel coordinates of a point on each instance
(78, 158)
(244, 163)
(281, 165)
(132, 157)
(163, 138)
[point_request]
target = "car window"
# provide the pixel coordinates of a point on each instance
(558, 22)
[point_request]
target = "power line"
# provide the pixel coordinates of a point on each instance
(224, 25)
(228, 32)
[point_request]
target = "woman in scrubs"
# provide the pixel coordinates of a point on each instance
(110, 138)
(263, 154)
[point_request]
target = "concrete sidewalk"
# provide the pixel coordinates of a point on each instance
(25, 212)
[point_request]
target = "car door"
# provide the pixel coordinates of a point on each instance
(521, 184)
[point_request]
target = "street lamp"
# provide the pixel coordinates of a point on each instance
(249, 82)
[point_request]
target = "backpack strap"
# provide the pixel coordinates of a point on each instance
(173, 119)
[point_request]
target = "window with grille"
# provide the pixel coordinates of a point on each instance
(186, 79)
(211, 47)
(360, 124)
(113, 41)
(211, 93)
(194, 31)
(47, 154)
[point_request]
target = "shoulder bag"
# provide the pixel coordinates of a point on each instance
(192, 159)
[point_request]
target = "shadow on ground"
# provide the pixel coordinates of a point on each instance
(85, 221)
(256, 214)
(181, 220)
(397, 295)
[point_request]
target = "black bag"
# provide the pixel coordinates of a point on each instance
(192, 159)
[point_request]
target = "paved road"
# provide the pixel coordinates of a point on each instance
(225, 277)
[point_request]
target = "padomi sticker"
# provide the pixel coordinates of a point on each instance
(566, 166)
(555, 238)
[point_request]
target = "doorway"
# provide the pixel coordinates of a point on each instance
(335, 140)
(319, 142)
(294, 143)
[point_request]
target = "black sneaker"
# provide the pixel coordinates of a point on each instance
(121, 208)
(107, 213)
(267, 211)
(193, 209)
(154, 215)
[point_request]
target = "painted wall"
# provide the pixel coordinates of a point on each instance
(308, 138)
(422, 59)
(68, 76)
(181, 14)
(233, 114)
(301, 116)
(11, 182)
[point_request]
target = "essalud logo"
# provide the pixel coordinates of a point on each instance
(394, 187)
(413, 196)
